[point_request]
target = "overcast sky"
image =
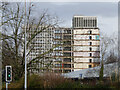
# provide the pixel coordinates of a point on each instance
(106, 12)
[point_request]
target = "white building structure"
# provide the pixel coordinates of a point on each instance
(39, 46)
(76, 48)
(86, 51)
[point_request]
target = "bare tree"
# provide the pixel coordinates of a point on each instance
(105, 48)
(13, 35)
(112, 58)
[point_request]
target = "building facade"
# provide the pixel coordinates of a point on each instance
(40, 47)
(63, 60)
(86, 46)
(74, 49)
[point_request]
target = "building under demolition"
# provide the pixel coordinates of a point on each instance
(86, 51)
(63, 54)
(40, 47)
(75, 48)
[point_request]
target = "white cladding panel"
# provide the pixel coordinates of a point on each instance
(86, 42)
(84, 37)
(86, 54)
(77, 69)
(86, 59)
(86, 31)
(82, 65)
(86, 48)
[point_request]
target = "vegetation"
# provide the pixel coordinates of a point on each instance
(101, 73)
(13, 43)
(52, 80)
(107, 51)
(13, 51)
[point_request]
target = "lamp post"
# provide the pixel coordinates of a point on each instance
(25, 52)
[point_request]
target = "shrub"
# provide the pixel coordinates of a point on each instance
(51, 80)
(65, 85)
(35, 81)
(47, 80)
(17, 84)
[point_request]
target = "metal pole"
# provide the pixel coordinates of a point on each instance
(25, 52)
(6, 86)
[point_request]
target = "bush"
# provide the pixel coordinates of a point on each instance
(51, 80)
(65, 85)
(47, 80)
(17, 84)
(35, 81)
(73, 85)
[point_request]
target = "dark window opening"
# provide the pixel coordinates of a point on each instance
(90, 32)
(67, 42)
(67, 48)
(90, 60)
(90, 54)
(85, 22)
(90, 66)
(67, 59)
(90, 37)
(90, 49)
(67, 65)
(90, 43)
(66, 71)
(67, 54)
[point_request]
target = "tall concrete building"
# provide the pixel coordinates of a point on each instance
(63, 60)
(42, 43)
(76, 48)
(86, 51)
(61, 56)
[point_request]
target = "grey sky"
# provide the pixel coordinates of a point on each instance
(106, 12)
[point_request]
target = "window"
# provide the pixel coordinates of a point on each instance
(90, 43)
(84, 23)
(90, 66)
(90, 54)
(90, 49)
(90, 37)
(97, 37)
(90, 60)
(90, 32)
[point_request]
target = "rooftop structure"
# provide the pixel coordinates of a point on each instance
(84, 22)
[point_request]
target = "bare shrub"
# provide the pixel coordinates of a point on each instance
(47, 80)
(51, 80)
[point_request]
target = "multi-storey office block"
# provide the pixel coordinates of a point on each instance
(63, 51)
(76, 48)
(86, 51)
(40, 46)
